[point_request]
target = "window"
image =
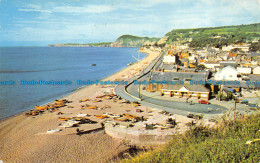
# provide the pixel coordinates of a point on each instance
(188, 79)
(175, 78)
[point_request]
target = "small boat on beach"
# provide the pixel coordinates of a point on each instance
(101, 116)
(87, 99)
(81, 115)
(40, 107)
(130, 116)
(60, 102)
(32, 113)
(52, 131)
(97, 101)
(64, 118)
(91, 107)
(122, 119)
(58, 105)
(101, 96)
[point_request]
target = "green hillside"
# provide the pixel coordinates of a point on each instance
(133, 41)
(231, 141)
(215, 36)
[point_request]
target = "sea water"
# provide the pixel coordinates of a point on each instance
(57, 68)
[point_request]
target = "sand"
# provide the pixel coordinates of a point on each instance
(24, 139)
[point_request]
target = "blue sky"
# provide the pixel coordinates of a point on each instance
(42, 22)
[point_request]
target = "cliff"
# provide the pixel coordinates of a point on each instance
(122, 41)
(131, 41)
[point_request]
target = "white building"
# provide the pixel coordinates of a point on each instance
(244, 47)
(256, 70)
(228, 73)
(244, 70)
(192, 58)
(211, 65)
(169, 59)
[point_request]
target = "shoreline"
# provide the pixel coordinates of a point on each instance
(21, 135)
(75, 90)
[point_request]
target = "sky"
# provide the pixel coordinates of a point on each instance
(43, 22)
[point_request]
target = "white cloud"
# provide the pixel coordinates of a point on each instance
(34, 10)
(84, 9)
(32, 6)
(70, 9)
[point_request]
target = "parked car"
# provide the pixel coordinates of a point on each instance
(253, 107)
(244, 101)
(204, 102)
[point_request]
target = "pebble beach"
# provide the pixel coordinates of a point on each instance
(25, 139)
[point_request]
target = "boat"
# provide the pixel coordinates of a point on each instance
(40, 107)
(50, 106)
(70, 123)
(64, 118)
(122, 119)
(94, 64)
(58, 105)
(60, 102)
(129, 64)
(63, 100)
(101, 116)
(32, 113)
(101, 96)
(78, 118)
(81, 115)
(87, 99)
(114, 115)
(91, 107)
(97, 101)
(130, 116)
(52, 131)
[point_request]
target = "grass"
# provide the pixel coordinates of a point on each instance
(224, 143)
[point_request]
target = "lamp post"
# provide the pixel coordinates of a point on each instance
(235, 108)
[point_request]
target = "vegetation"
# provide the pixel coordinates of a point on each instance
(201, 67)
(122, 41)
(133, 41)
(232, 141)
(100, 44)
(217, 36)
(255, 46)
(90, 44)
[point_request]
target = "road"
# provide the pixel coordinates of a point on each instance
(130, 92)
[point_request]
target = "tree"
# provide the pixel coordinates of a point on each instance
(201, 67)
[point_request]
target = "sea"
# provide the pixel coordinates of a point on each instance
(32, 76)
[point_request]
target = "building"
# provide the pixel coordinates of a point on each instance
(211, 65)
(232, 56)
(242, 47)
(228, 63)
(228, 73)
(256, 70)
(185, 89)
(244, 70)
(169, 59)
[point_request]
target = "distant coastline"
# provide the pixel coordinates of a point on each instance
(122, 41)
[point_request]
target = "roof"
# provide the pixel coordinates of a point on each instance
(168, 67)
(168, 76)
(191, 88)
(228, 63)
(226, 69)
(232, 54)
